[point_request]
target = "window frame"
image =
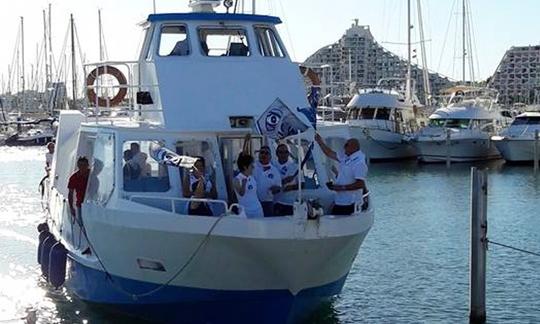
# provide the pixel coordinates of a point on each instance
(276, 37)
(224, 27)
(188, 39)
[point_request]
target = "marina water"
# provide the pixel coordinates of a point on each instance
(412, 268)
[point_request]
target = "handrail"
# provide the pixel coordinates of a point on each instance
(188, 200)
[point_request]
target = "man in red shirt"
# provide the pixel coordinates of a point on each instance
(77, 184)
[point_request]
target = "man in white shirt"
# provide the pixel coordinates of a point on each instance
(352, 172)
(268, 181)
(289, 180)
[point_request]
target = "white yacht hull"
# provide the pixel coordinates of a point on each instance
(516, 150)
(459, 150)
(383, 145)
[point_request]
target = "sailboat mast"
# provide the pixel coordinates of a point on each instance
(100, 37)
(408, 84)
(50, 44)
(425, 70)
(73, 68)
(22, 64)
(45, 48)
(463, 39)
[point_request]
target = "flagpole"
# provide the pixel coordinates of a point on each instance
(300, 159)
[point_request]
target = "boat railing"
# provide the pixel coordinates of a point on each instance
(126, 90)
(181, 205)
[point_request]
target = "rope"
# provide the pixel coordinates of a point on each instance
(514, 248)
(120, 289)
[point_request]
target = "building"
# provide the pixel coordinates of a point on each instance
(358, 61)
(517, 77)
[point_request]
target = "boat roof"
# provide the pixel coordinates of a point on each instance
(464, 112)
(211, 16)
(373, 98)
(529, 114)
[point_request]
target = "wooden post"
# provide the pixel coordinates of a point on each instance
(535, 151)
(477, 283)
(448, 148)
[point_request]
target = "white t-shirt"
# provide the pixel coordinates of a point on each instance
(265, 180)
(351, 168)
(287, 169)
(48, 159)
(249, 200)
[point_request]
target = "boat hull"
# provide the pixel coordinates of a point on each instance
(173, 304)
(459, 150)
(272, 270)
(514, 150)
(383, 145)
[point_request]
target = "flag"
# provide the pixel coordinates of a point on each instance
(278, 121)
(167, 157)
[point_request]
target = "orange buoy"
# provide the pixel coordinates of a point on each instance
(104, 102)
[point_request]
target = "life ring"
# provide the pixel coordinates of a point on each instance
(104, 102)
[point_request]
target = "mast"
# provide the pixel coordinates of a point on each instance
(73, 62)
(408, 86)
(22, 64)
(100, 36)
(463, 39)
(45, 48)
(50, 44)
(425, 70)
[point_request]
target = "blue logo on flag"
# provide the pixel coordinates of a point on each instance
(278, 121)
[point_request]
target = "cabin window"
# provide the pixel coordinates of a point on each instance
(223, 42)
(437, 122)
(383, 114)
(367, 113)
(141, 172)
(533, 121)
(268, 42)
(101, 179)
(173, 41)
(458, 123)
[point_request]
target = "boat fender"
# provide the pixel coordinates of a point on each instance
(43, 235)
(105, 102)
(45, 252)
(57, 265)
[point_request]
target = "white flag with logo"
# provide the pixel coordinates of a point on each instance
(278, 121)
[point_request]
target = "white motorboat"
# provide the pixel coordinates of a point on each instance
(382, 119)
(517, 142)
(461, 131)
(134, 247)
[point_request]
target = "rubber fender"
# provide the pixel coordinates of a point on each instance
(57, 265)
(42, 236)
(45, 252)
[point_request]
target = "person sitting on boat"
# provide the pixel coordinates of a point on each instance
(49, 156)
(245, 187)
(289, 179)
(268, 181)
(131, 170)
(137, 156)
(197, 185)
(77, 186)
(352, 172)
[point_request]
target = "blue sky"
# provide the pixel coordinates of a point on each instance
(309, 25)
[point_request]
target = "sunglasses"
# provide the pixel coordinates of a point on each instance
(282, 152)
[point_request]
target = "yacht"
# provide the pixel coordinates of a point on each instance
(516, 143)
(461, 131)
(134, 248)
(382, 119)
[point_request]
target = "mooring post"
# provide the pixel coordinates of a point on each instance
(477, 282)
(535, 151)
(448, 148)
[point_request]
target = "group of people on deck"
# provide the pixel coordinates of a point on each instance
(258, 182)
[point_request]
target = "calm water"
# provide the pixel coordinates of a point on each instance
(413, 266)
